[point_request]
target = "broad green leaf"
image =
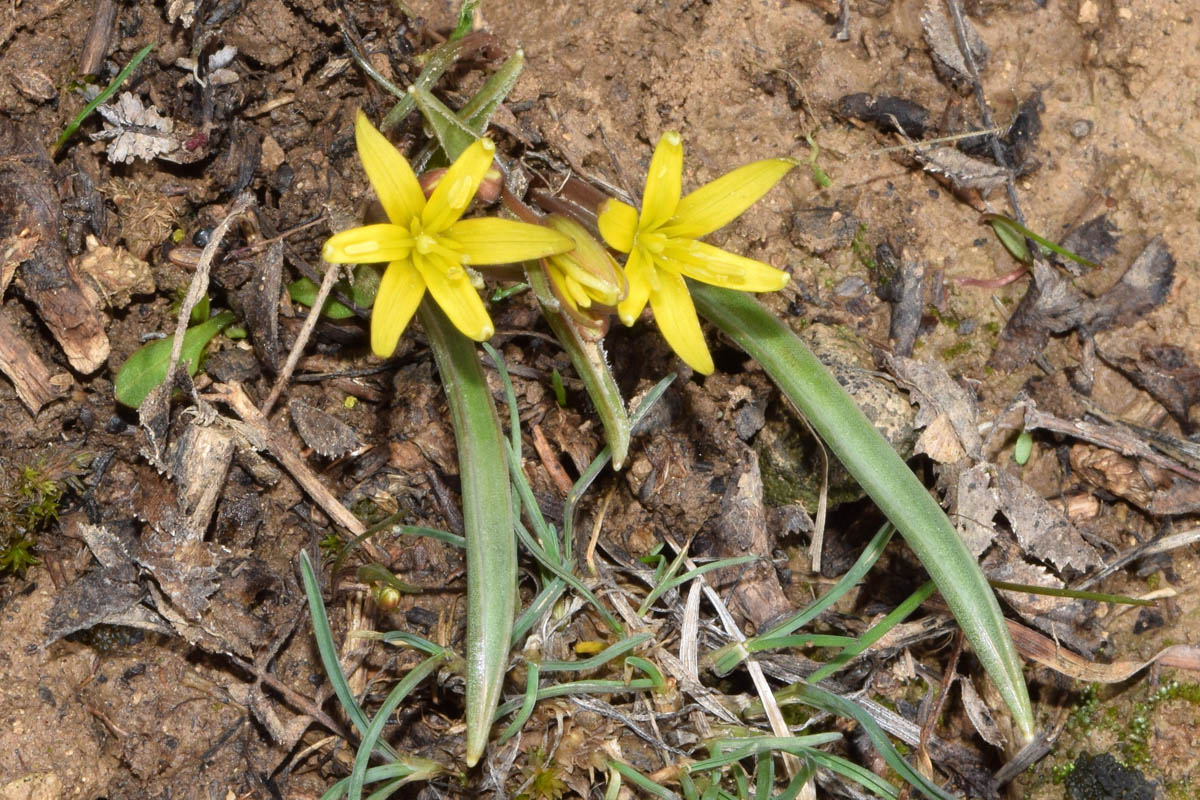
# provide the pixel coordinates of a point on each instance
(147, 367)
(362, 292)
(487, 518)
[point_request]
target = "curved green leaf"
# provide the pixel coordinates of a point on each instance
(834, 415)
(147, 367)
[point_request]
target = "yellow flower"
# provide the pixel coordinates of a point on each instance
(585, 276)
(425, 243)
(663, 248)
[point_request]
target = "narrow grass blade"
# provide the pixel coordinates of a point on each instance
(451, 133)
(741, 782)
(859, 774)
(523, 714)
(569, 578)
(1015, 230)
(803, 776)
(475, 115)
(642, 782)
(412, 640)
(828, 701)
(601, 460)
(655, 682)
(406, 770)
(875, 633)
(487, 517)
(757, 645)
(764, 777)
(600, 659)
(726, 659)
(541, 605)
(377, 573)
(730, 751)
(108, 92)
(328, 652)
(395, 697)
(885, 477)
(466, 18)
(671, 583)
(437, 61)
(613, 790)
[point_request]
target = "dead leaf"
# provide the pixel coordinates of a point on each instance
(974, 505)
(979, 714)
(962, 171)
(323, 432)
(940, 396)
(1049, 653)
(1165, 373)
(117, 273)
(938, 31)
(939, 442)
(1124, 477)
(1143, 287)
(134, 130)
(1042, 530)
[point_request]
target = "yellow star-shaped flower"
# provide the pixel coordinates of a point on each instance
(663, 248)
(426, 244)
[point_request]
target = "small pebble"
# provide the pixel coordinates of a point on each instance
(1081, 128)
(853, 286)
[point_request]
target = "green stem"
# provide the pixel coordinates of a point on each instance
(487, 516)
(834, 415)
(591, 366)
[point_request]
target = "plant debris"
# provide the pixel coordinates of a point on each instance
(135, 131)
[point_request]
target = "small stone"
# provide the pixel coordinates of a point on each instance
(1081, 128)
(34, 84)
(1089, 13)
(853, 286)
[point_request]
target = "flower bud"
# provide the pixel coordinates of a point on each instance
(486, 194)
(587, 281)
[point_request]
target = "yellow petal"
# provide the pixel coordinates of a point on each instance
(451, 287)
(369, 244)
(638, 271)
(676, 318)
(458, 186)
(395, 184)
(487, 240)
(719, 202)
(400, 292)
(709, 264)
(664, 182)
(618, 222)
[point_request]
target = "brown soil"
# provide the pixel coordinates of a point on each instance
(117, 713)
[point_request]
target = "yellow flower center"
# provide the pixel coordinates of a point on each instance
(425, 243)
(653, 241)
(439, 251)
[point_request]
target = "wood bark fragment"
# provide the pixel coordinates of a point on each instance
(29, 374)
(99, 37)
(201, 462)
(30, 213)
